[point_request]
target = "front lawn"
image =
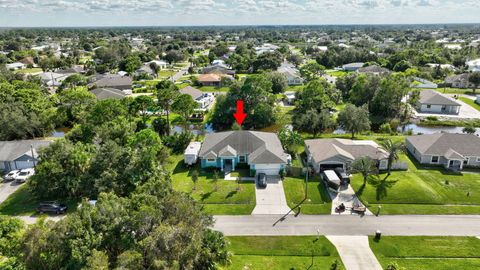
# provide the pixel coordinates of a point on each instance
(213, 89)
(23, 203)
(421, 190)
(29, 70)
(470, 102)
(427, 252)
(225, 197)
(282, 252)
(318, 201)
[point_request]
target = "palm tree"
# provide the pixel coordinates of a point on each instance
(366, 166)
(393, 149)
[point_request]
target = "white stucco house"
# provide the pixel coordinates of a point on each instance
(433, 102)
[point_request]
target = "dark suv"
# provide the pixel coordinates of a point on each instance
(52, 207)
(262, 180)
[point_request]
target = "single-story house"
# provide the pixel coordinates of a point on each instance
(190, 156)
(53, 78)
(108, 93)
(324, 154)
(210, 79)
(160, 63)
(16, 66)
(218, 69)
(291, 73)
(17, 155)
(204, 100)
(459, 81)
(262, 152)
(112, 81)
(453, 151)
(352, 66)
(374, 70)
(431, 101)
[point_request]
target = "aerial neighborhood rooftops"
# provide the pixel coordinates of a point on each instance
(16, 155)
(352, 66)
(433, 102)
(108, 93)
(112, 81)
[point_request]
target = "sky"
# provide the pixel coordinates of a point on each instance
(39, 13)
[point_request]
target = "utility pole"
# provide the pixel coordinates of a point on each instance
(33, 157)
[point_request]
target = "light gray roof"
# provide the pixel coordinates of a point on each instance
(108, 93)
(324, 149)
(261, 147)
(113, 81)
(11, 150)
(193, 92)
(353, 65)
(446, 144)
(435, 98)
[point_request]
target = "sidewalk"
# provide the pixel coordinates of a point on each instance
(355, 252)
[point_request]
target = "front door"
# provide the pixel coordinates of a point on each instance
(227, 166)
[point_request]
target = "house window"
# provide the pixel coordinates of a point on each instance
(211, 160)
(434, 159)
(465, 161)
(429, 106)
(241, 159)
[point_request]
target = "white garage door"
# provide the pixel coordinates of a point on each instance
(268, 169)
(24, 164)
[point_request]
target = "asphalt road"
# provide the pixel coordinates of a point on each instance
(441, 225)
(7, 188)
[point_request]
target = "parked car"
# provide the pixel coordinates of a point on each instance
(52, 207)
(23, 175)
(262, 180)
(11, 175)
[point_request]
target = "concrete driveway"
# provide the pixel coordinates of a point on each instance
(271, 200)
(355, 252)
(6, 189)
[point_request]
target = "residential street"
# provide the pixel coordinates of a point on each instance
(8, 188)
(448, 225)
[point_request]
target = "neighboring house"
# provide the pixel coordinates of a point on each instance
(374, 70)
(16, 155)
(473, 65)
(204, 100)
(291, 73)
(210, 79)
(218, 69)
(267, 47)
(431, 101)
(16, 66)
(190, 156)
(329, 78)
(112, 81)
(162, 64)
(108, 93)
(145, 69)
(51, 79)
(352, 66)
(324, 154)
(424, 84)
(459, 81)
(453, 151)
(262, 152)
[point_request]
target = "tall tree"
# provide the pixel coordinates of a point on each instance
(354, 119)
(166, 94)
(393, 149)
(474, 79)
(185, 106)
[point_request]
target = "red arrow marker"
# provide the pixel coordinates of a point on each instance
(240, 115)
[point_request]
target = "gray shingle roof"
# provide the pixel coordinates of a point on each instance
(11, 150)
(108, 93)
(435, 98)
(323, 149)
(193, 92)
(113, 81)
(442, 144)
(261, 147)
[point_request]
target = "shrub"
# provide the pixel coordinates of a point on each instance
(385, 128)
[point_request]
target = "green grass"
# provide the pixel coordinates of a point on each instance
(337, 73)
(423, 190)
(318, 200)
(427, 252)
(213, 89)
(294, 88)
(470, 102)
(23, 203)
(241, 173)
(165, 73)
(223, 198)
(281, 252)
(450, 90)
